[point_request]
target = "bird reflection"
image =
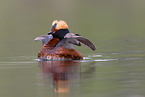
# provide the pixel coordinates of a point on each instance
(61, 73)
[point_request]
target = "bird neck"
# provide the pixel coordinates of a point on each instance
(60, 33)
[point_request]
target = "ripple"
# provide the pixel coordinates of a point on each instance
(86, 58)
(102, 57)
(99, 60)
(131, 58)
(95, 56)
(106, 60)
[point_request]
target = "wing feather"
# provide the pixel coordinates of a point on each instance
(81, 39)
(43, 38)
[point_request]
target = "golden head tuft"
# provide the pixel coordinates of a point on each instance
(61, 25)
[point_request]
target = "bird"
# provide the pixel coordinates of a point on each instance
(58, 43)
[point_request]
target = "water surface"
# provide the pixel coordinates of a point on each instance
(108, 74)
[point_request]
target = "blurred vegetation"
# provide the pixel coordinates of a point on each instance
(101, 21)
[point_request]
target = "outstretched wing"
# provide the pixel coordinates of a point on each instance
(86, 42)
(81, 39)
(43, 38)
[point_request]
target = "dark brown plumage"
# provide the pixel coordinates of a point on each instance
(48, 51)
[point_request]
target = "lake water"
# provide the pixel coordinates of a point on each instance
(115, 69)
(106, 74)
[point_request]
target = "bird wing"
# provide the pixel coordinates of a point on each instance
(43, 38)
(81, 39)
(73, 41)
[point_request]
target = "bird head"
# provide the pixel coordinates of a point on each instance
(57, 25)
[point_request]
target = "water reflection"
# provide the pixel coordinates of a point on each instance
(61, 74)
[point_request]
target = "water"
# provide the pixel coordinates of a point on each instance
(105, 75)
(115, 69)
